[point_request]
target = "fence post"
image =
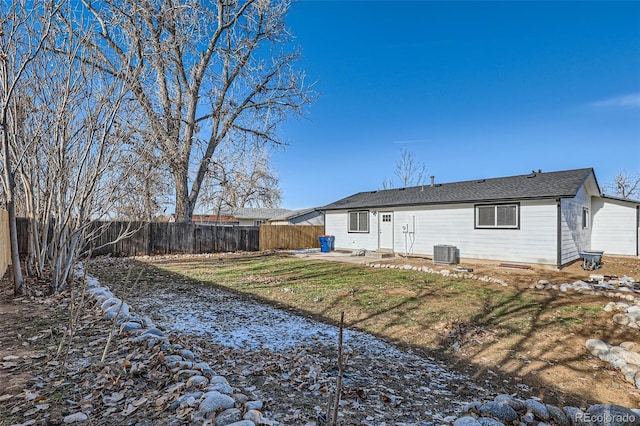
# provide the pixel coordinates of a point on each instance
(194, 236)
(148, 239)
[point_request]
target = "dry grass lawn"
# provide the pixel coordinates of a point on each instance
(515, 333)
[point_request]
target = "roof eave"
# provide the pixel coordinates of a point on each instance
(476, 201)
(627, 200)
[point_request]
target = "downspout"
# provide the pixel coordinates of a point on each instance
(637, 230)
(559, 234)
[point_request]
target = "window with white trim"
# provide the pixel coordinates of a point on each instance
(359, 221)
(586, 218)
(498, 216)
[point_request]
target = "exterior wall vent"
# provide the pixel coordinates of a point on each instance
(445, 254)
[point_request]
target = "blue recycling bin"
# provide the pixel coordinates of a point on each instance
(324, 244)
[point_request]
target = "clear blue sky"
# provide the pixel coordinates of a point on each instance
(474, 89)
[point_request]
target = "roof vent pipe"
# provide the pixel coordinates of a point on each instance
(433, 181)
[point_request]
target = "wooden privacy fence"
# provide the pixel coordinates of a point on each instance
(172, 238)
(278, 237)
(5, 242)
(155, 238)
(141, 238)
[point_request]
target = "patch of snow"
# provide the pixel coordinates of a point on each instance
(240, 324)
(300, 251)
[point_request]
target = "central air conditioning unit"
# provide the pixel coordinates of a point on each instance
(445, 254)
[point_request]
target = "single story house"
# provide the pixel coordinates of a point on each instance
(311, 216)
(254, 216)
(214, 219)
(538, 218)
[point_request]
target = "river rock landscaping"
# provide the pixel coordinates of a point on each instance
(626, 314)
(624, 357)
(453, 273)
(625, 288)
(197, 393)
(510, 410)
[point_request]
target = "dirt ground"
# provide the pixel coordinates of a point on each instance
(29, 329)
(25, 330)
(558, 365)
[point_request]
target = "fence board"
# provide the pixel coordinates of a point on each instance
(289, 237)
(22, 226)
(5, 242)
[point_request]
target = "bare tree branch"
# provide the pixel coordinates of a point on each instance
(241, 178)
(24, 29)
(625, 186)
(201, 73)
(408, 170)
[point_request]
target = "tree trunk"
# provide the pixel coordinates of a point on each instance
(18, 282)
(184, 209)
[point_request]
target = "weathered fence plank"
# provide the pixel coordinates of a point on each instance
(5, 242)
(22, 225)
(279, 237)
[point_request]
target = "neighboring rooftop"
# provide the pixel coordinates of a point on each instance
(255, 213)
(535, 185)
(212, 218)
(291, 214)
(626, 200)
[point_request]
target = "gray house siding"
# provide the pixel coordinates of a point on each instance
(533, 242)
(616, 226)
(576, 237)
(560, 214)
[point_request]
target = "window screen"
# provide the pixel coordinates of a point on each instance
(359, 221)
(353, 222)
(497, 216)
(506, 216)
(486, 216)
(363, 221)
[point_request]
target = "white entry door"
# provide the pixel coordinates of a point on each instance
(385, 224)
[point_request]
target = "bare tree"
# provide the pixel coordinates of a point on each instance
(147, 191)
(24, 27)
(241, 178)
(201, 71)
(625, 186)
(409, 171)
(75, 151)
